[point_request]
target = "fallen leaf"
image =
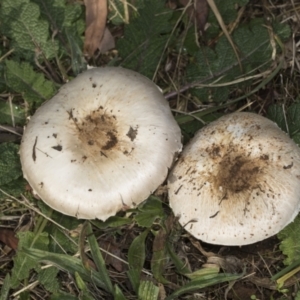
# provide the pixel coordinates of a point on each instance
(8, 237)
(95, 17)
(198, 12)
(115, 251)
(107, 42)
(201, 14)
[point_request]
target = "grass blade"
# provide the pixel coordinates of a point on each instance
(204, 281)
(98, 259)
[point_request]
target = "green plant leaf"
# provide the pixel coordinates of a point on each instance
(28, 31)
(288, 120)
(148, 291)
(112, 222)
(203, 282)
(5, 288)
(84, 294)
(119, 294)
(63, 295)
(60, 241)
(276, 114)
(98, 259)
(23, 79)
(66, 263)
(290, 241)
(220, 65)
(180, 266)
(149, 211)
(145, 38)
(203, 272)
(47, 277)
(136, 257)
(229, 12)
(10, 166)
(23, 264)
(135, 277)
(63, 20)
(7, 114)
(13, 188)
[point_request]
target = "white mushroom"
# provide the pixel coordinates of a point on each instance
(101, 145)
(237, 182)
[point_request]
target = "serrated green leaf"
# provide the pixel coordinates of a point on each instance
(23, 79)
(27, 30)
(9, 113)
(13, 188)
(149, 211)
(5, 288)
(53, 11)
(220, 65)
(282, 30)
(148, 291)
(10, 166)
(290, 241)
(48, 278)
(63, 19)
(145, 38)
(228, 10)
(23, 264)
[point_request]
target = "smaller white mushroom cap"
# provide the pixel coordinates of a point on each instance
(102, 144)
(237, 182)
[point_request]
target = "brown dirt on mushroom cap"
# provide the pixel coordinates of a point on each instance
(235, 173)
(98, 133)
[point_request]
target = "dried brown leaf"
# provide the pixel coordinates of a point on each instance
(107, 42)
(96, 14)
(8, 237)
(201, 14)
(115, 250)
(198, 12)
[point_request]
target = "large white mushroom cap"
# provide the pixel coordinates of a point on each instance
(102, 144)
(237, 182)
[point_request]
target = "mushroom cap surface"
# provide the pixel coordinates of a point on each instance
(102, 144)
(237, 182)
